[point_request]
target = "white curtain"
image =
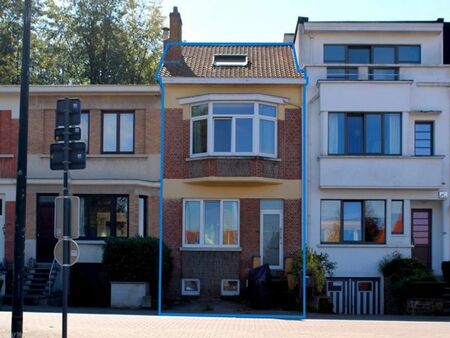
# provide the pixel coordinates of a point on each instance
(335, 133)
(392, 133)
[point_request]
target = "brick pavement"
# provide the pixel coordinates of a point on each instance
(83, 325)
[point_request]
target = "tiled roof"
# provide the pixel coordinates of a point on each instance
(264, 61)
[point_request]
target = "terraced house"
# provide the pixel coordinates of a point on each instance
(232, 178)
(119, 189)
(378, 149)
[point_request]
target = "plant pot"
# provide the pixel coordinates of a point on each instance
(128, 294)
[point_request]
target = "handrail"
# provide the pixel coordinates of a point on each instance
(50, 277)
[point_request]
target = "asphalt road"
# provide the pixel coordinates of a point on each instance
(86, 325)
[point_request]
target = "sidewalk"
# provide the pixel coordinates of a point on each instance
(87, 323)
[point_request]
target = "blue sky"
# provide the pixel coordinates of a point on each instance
(267, 20)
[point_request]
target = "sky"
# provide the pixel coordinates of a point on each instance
(268, 20)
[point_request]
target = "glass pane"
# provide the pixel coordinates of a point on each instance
(192, 222)
(358, 55)
(352, 221)
(355, 133)
(141, 220)
(397, 217)
(392, 133)
(373, 133)
(244, 135)
(423, 144)
(122, 217)
(271, 204)
(98, 211)
(267, 137)
(271, 239)
(126, 132)
(333, 54)
(212, 223)
(409, 54)
(222, 135)
(267, 110)
(352, 73)
(423, 151)
(199, 110)
(381, 74)
(336, 73)
(199, 136)
(336, 133)
(424, 127)
(374, 221)
(109, 132)
(384, 55)
(330, 221)
(83, 222)
(230, 223)
(233, 108)
(85, 129)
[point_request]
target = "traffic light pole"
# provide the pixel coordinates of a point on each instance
(21, 182)
(67, 212)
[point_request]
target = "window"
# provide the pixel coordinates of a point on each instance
(424, 138)
(190, 287)
(364, 133)
(397, 217)
(230, 60)
(375, 54)
(242, 129)
(353, 221)
(103, 216)
(342, 73)
(229, 287)
(369, 54)
(211, 223)
(118, 132)
(85, 128)
(143, 216)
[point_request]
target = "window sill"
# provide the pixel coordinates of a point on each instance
(90, 241)
(232, 157)
(100, 156)
(373, 246)
(364, 81)
(6, 155)
(235, 249)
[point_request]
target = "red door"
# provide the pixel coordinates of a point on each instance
(421, 235)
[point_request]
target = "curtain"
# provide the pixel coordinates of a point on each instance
(392, 132)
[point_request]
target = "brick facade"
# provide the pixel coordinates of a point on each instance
(9, 129)
(176, 151)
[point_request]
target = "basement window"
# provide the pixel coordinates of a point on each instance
(230, 60)
(190, 287)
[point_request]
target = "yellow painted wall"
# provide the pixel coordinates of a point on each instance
(175, 92)
(286, 189)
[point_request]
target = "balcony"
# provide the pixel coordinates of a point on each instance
(381, 172)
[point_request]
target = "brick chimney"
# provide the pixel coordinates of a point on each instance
(174, 53)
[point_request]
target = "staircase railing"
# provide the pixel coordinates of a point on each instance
(50, 277)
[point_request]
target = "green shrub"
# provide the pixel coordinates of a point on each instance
(402, 272)
(136, 260)
(318, 265)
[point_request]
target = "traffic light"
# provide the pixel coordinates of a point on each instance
(76, 155)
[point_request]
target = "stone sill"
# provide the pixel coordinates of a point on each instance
(398, 157)
(200, 158)
(210, 249)
(115, 156)
(7, 156)
(372, 246)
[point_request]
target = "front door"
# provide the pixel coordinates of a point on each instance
(272, 238)
(46, 240)
(421, 235)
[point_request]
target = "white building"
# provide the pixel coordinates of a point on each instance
(378, 105)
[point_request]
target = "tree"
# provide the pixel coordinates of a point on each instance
(83, 41)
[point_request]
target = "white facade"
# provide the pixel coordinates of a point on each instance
(420, 93)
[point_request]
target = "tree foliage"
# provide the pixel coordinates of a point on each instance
(83, 41)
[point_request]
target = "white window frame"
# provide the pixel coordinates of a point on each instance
(190, 293)
(256, 118)
(202, 231)
(230, 293)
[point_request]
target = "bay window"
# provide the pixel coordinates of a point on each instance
(211, 223)
(239, 129)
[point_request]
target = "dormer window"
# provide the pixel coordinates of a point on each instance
(233, 60)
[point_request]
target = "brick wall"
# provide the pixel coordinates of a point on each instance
(10, 207)
(205, 261)
(177, 151)
(9, 129)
